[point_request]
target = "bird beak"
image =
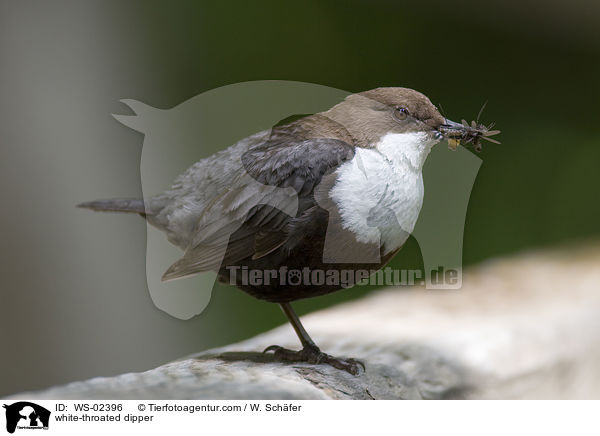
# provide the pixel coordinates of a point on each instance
(452, 126)
(452, 131)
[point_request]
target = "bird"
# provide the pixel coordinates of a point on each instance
(318, 196)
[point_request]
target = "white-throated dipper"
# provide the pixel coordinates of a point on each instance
(347, 181)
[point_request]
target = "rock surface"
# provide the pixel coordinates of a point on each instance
(521, 327)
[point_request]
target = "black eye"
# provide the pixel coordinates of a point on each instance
(400, 113)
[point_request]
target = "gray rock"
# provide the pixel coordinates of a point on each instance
(522, 327)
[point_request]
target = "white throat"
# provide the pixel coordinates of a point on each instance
(409, 148)
(379, 193)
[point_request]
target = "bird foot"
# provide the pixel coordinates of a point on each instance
(313, 355)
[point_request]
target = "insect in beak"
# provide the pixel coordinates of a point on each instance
(465, 133)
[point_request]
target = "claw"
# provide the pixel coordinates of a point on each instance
(273, 348)
(360, 363)
(316, 357)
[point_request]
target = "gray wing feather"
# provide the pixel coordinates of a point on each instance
(273, 185)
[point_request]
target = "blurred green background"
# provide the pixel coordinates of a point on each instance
(74, 303)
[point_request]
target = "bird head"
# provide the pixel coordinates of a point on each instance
(371, 115)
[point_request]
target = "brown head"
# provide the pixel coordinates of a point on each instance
(370, 115)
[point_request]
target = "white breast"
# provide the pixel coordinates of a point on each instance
(379, 193)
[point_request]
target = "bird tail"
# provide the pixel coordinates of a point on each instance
(131, 205)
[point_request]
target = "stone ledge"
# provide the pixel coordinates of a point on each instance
(521, 327)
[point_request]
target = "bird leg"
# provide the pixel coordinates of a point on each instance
(310, 353)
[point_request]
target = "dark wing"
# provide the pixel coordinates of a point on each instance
(275, 184)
